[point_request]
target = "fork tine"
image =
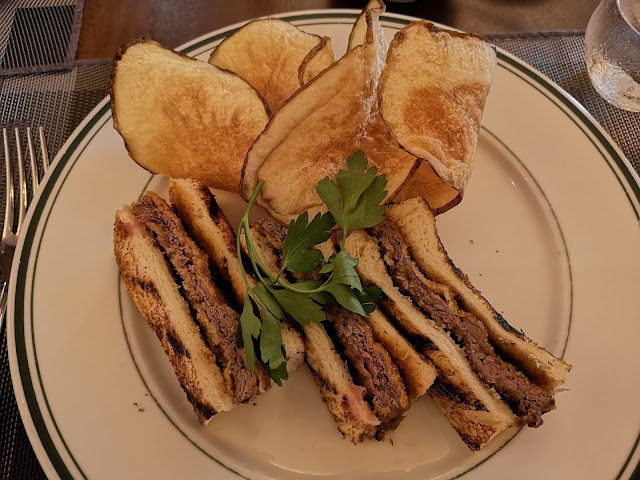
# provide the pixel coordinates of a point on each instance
(35, 180)
(43, 150)
(23, 199)
(8, 212)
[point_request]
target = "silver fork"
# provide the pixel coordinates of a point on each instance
(9, 235)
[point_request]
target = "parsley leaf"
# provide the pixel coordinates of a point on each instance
(271, 341)
(370, 294)
(266, 297)
(299, 306)
(322, 297)
(357, 204)
(297, 253)
(346, 296)
(344, 272)
(279, 373)
(250, 327)
(328, 267)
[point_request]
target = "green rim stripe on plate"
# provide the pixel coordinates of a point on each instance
(24, 373)
(636, 471)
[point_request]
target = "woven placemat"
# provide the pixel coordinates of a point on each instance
(60, 101)
(38, 35)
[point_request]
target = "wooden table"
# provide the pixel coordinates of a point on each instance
(107, 24)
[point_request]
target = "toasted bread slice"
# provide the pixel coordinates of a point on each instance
(215, 318)
(150, 284)
(209, 227)
(486, 414)
(318, 59)
(417, 372)
(267, 53)
(312, 135)
(345, 400)
(358, 34)
(416, 222)
(432, 94)
(181, 117)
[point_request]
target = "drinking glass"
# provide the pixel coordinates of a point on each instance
(612, 52)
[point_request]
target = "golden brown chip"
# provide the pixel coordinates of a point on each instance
(432, 94)
(267, 53)
(184, 118)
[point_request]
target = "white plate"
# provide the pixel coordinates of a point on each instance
(548, 230)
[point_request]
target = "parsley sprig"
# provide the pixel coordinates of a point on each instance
(353, 201)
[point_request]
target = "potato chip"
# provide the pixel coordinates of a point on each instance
(267, 53)
(432, 94)
(427, 184)
(180, 117)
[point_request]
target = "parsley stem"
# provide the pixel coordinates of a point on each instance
(273, 282)
(239, 253)
(244, 225)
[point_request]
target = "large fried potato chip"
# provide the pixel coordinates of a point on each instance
(184, 118)
(432, 94)
(312, 135)
(267, 54)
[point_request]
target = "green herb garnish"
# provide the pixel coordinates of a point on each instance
(353, 201)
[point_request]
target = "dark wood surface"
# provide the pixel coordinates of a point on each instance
(107, 24)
